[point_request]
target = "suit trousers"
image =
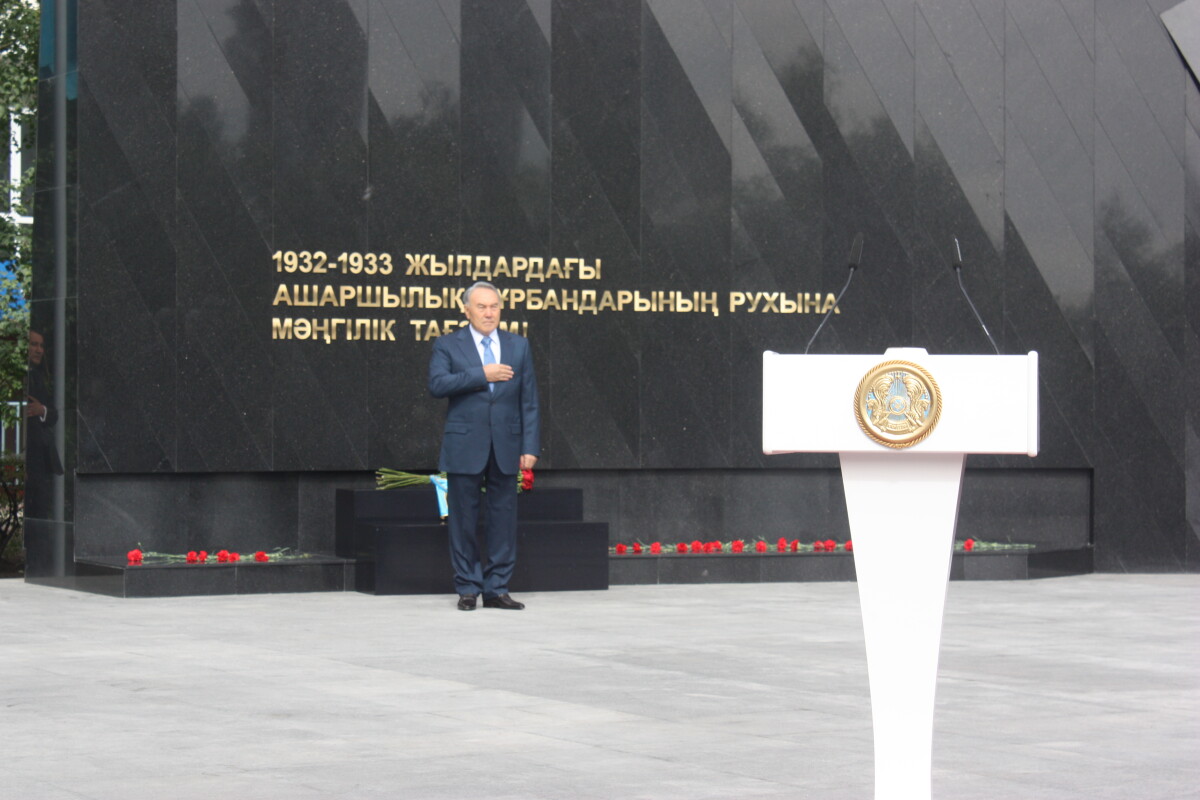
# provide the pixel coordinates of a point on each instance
(500, 527)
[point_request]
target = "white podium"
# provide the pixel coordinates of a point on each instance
(902, 424)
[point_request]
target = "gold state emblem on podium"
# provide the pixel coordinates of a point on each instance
(898, 404)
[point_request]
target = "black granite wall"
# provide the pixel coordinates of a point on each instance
(693, 146)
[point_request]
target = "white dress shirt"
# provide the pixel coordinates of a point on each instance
(478, 337)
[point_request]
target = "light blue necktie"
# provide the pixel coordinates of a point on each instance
(488, 358)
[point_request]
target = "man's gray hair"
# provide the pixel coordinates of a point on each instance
(478, 285)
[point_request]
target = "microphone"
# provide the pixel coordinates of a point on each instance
(958, 259)
(854, 260)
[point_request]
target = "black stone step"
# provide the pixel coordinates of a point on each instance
(315, 573)
(407, 558)
(418, 504)
(989, 565)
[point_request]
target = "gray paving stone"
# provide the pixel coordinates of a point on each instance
(1083, 687)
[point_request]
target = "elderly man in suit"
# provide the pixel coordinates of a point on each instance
(491, 434)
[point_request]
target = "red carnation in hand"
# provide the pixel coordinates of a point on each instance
(738, 546)
(526, 480)
(681, 548)
(819, 547)
(760, 546)
(969, 544)
(621, 549)
(192, 557)
(637, 549)
(261, 556)
(656, 548)
(134, 556)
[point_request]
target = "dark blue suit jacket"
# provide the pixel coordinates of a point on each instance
(478, 420)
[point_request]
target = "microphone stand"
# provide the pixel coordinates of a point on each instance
(855, 258)
(963, 288)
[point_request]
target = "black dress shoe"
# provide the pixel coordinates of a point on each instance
(502, 601)
(466, 602)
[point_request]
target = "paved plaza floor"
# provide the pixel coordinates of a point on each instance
(1085, 687)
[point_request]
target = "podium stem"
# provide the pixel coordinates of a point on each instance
(903, 508)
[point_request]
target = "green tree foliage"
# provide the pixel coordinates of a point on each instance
(19, 21)
(19, 25)
(19, 28)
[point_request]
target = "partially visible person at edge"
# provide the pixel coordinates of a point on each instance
(491, 433)
(41, 454)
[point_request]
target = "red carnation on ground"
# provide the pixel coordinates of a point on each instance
(849, 546)
(637, 548)
(760, 546)
(697, 546)
(235, 557)
(795, 545)
(261, 556)
(681, 548)
(819, 547)
(738, 546)
(192, 557)
(656, 548)
(202, 556)
(223, 556)
(830, 545)
(621, 549)
(782, 545)
(969, 544)
(134, 556)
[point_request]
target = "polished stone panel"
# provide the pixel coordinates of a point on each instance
(879, 42)
(127, 372)
(944, 321)
(505, 127)
(132, 101)
(1139, 486)
(316, 516)
(685, 246)
(777, 172)
(1045, 507)
(174, 513)
(1066, 370)
(320, 179)
(588, 366)
(46, 276)
(224, 280)
(1140, 288)
(1192, 333)
(414, 101)
(700, 148)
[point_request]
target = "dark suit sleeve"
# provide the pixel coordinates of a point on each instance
(39, 391)
(444, 381)
(530, 419)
